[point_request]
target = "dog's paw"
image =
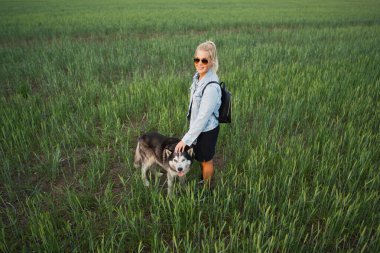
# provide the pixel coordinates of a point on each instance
(146, 183)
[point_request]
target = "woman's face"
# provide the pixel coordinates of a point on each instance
(202, 62)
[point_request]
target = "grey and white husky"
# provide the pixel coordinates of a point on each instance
(156, 149)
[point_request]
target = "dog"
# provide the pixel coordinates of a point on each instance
(156, 149)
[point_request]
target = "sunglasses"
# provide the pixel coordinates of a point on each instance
(197, 60)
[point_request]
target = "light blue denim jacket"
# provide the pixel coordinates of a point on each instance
(204, 109)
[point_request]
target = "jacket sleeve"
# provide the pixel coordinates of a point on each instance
(206, 109)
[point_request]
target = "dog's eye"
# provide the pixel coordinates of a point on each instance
(175, 160)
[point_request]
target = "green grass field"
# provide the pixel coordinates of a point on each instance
(296, 171)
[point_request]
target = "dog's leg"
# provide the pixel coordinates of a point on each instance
(138, 158)
(157, 172)
(144, 169)
(170, 185)
(182, 180)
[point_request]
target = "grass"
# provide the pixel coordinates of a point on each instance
(297, 170)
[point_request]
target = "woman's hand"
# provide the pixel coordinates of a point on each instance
(180, 147)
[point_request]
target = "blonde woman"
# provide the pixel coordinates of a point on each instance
(203, 109)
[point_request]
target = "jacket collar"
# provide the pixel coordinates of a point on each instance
(210, 76)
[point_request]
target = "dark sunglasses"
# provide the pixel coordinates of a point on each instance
(197, 60)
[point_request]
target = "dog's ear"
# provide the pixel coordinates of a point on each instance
(168, 152)
(190, 151)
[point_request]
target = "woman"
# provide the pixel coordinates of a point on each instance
(203, 109)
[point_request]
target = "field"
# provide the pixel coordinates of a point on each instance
(296, 171)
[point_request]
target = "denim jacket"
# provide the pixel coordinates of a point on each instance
(204, 109)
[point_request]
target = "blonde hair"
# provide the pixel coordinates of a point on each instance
(210, 48)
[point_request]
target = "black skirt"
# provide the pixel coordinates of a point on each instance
(206, 144)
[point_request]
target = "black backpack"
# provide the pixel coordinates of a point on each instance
(226, 106)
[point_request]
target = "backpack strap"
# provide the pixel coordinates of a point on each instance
(208, 84)
(206, 87)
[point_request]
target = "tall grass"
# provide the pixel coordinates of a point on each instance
(296, 171)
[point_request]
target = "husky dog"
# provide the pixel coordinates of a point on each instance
(156, 149)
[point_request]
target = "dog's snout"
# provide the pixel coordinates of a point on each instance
(180, 169)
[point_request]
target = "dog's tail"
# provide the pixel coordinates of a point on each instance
(138, 158)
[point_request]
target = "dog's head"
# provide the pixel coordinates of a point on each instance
(180, 162)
